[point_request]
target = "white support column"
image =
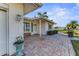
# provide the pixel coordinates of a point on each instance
(30, 26)
(40, 28)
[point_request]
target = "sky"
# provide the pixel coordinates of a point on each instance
(60, 13)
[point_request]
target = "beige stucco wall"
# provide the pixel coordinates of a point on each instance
(15, 28)
(44, 27)
(34, 30)
(3, 33)
(3, 28)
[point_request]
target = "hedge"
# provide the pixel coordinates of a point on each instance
(52, 32)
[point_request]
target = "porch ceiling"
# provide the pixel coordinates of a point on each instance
(28, 7)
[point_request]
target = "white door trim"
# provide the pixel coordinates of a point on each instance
(7, 18)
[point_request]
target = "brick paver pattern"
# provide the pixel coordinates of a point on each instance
(54, 45)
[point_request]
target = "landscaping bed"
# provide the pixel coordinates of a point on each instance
(75, 44)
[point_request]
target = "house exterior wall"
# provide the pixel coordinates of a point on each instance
(50, 24)
(37, 30)
(3, 28)
(38, 27)
(44, 27)
(3, 33)
(15, 27)
(34, 29)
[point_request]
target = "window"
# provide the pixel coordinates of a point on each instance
(31, 27)
(26, 27)
(50, 27)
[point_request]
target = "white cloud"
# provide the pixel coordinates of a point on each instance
(63, 16)
(75, 9)
(59, 15)
(58, 12)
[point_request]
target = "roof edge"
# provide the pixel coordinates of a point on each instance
(31, 19)
(37, 5)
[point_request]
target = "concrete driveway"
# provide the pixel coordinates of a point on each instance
(55, 45)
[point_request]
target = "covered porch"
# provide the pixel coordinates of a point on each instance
(37, 26)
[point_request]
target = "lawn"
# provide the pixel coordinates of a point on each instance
(64, 31)
(76, 32)
(75, 44)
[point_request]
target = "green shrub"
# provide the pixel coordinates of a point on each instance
(51, 32)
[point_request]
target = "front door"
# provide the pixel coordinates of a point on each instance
(3, 32)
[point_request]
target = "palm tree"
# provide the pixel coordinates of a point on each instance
(72, 25)
(68, 26)
(44, 15)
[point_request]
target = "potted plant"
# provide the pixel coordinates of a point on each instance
(18, 44)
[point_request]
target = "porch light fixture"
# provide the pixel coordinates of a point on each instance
(19, 17)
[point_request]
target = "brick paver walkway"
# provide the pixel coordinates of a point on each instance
(55, 45)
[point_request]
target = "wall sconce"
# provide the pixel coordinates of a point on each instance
(19, 17)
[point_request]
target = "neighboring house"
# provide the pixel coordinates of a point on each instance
(37, 26)
(11, 24)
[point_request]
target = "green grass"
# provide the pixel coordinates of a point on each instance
(75, 44)
(76, 36)
(64, 31)
(75, 31)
